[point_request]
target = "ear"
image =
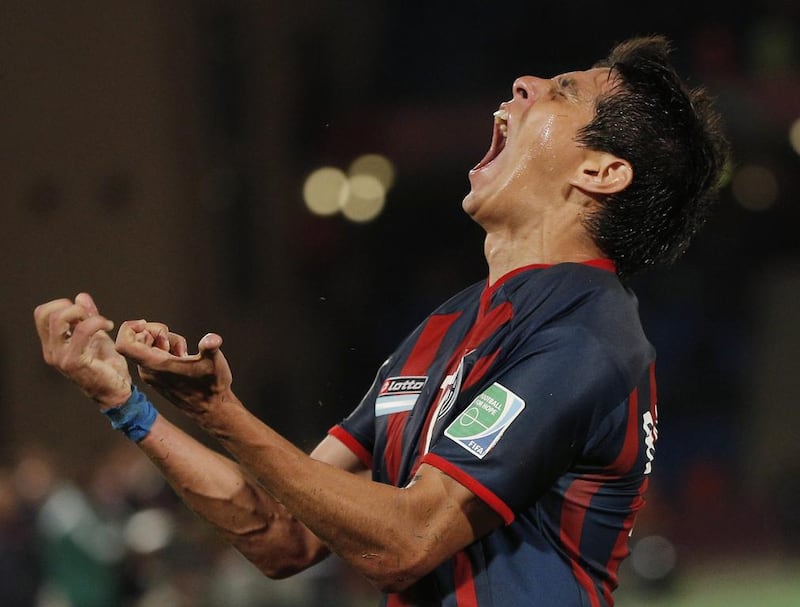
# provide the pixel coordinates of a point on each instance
(603, 173)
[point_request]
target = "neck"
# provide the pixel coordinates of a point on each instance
(507, 248)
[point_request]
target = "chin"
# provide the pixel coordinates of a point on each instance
(470, 203)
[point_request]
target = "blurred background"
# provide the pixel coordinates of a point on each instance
(164, 157)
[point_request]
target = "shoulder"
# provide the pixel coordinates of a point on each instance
(567, 283)
(584, 310)
(571, 293)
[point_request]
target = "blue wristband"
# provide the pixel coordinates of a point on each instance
(134, 417)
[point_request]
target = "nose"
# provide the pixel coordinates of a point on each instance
(526, 88)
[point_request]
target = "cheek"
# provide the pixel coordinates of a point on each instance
(542, 139)
(556, 150)
(540, 150)
(546, 133)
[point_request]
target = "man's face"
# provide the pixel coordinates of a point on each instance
(534, 153)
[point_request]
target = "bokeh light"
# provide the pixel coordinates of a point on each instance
(755, 187)
(375, 165)
(654, 558)
(794, 135)
(365, 199)
(325, 190)
(149, 530)
(360, 194)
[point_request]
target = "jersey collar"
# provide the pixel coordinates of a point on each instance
(489, 291)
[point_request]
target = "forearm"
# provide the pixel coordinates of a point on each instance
(218, 490)
(377, 528)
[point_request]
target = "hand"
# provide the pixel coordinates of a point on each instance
(194, 383)
(75, 341)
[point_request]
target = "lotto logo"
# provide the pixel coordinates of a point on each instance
(397, 385)
(650, 436)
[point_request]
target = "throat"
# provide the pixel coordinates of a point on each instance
(503, 255)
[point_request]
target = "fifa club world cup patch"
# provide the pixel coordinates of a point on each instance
(483, 422)
(398, 394)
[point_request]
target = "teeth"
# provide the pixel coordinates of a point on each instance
(501, 117)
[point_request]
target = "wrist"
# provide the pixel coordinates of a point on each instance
(134, 417)
(116, 400)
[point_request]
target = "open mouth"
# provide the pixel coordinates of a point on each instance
(499, 136)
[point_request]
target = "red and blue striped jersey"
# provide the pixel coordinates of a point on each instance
(537, 394)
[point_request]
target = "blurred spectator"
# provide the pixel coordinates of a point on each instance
(19, 560)
(81, 553)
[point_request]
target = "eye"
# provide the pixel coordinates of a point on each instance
(567, 88)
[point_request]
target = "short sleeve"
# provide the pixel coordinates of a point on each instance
(357, 430)
(514, 435)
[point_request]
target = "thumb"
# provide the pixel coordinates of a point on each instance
(209, 347)
(209, 344)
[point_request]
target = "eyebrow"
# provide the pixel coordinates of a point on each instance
(569, 85)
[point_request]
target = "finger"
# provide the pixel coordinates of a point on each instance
(178, 345)
(62, 322)
(160, 334)
(42, 314)
(65, 351)
(140, 348)
(85, 300)
(144, 338)
(130, 332)
(177, 362)
(157, 334)
(87, 328)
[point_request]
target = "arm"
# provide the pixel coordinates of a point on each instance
(74, 339)
(221, 492)
(393, 536)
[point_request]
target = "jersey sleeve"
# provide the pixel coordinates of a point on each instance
(357, 430)
(519, 431)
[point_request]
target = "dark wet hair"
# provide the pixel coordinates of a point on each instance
(672, 137)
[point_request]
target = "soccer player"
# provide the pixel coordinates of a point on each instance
(503, 450)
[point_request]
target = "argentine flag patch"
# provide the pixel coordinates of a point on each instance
(478, 428)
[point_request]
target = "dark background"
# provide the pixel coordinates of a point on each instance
(154, 153)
